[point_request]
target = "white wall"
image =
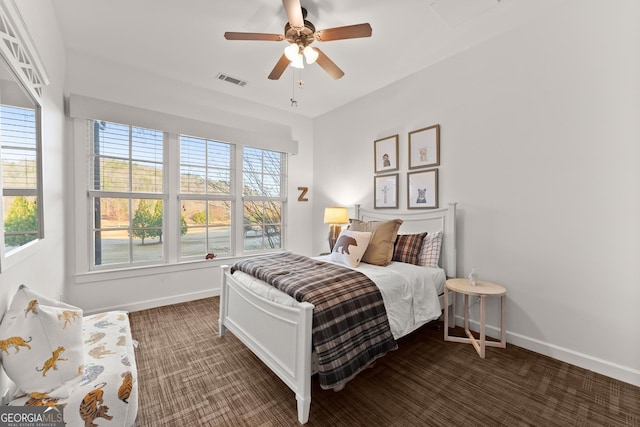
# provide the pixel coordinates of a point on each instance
(43, 270)
(94, 78)
(540, 147)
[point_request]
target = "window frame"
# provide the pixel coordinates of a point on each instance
(172, 260)
(23, 63)
(281, 198)
(22, 252)
(209, 197)
(93, 194)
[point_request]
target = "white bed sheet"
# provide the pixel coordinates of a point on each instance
(410, 292)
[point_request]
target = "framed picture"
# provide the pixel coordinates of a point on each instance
(422, 189)
(385, 190)
(385, 154)
(424, 147)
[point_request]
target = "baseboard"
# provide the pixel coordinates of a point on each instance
(600, 366)
(159, 302)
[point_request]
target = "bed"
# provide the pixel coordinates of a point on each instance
(278, 329)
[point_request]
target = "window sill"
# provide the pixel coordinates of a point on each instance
(147, 270)
(20, 254)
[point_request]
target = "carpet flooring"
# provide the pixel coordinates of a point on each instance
(188, 376)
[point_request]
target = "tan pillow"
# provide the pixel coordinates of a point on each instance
(383, 236)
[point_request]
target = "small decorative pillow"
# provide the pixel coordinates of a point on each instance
(41, 344)
(429, 255)
(408, 247)
(383, 236)
(350, 247)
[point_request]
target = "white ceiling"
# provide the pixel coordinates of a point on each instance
(183, 40)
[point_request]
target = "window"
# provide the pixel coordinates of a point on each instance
(20, 176)
(126, 194)
(263, 190)
(157, 198)
(21, 90)
(205, 197)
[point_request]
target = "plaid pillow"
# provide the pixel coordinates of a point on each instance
(429, 255)
(407, 247)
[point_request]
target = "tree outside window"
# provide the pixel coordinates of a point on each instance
(20, 222)
(128, 182)
(263, 179)
(20, 176)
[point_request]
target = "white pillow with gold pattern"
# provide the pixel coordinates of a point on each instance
(41, 344)
(350, 247)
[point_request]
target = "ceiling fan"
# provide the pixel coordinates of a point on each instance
(301, 33)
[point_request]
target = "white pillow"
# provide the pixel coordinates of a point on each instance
(350, 247)
(41, 344)
(429, 255)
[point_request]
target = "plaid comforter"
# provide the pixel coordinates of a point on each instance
(350, 324)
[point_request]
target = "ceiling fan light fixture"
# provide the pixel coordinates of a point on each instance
(300, 33)
(292, 52)
(310, 54)
(298, 61)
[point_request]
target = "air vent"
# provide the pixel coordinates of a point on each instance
(230, 79)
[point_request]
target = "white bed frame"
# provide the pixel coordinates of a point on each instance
(281, 335)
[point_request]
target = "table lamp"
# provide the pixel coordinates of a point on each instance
(334, 216)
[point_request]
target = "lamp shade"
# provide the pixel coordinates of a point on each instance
(310, 54)
(336, 215)
(292, 51)
(297, 62)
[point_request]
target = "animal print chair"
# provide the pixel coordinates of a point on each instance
(102, 381)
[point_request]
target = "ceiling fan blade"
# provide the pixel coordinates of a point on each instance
(294, 13)
(328, 65)
(341, 33)
(279, 68)
(253, 36)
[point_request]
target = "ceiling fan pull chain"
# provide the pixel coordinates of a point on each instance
(294, 103)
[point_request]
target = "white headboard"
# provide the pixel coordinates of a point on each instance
(434, 220)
